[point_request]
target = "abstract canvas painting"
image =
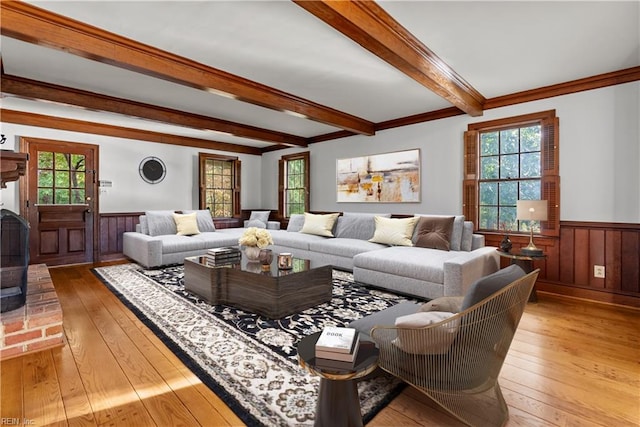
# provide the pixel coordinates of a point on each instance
(383, 178)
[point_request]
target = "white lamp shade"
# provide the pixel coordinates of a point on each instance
(532, 210)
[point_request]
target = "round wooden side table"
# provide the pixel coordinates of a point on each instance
(338, 399)
(525, 261)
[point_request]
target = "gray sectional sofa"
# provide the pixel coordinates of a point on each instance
(421, 271)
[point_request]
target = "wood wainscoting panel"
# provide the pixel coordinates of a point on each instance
(112, 227)
(630, 261)
(569, 266)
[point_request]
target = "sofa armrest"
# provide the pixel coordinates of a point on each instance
(461, 271)
(145, 250)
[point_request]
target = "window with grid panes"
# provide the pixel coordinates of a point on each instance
(220, 185)
(294, 184)
(509, 171)
(61, 178)
(507, 160)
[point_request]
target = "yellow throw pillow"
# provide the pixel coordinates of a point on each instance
(394, 231)
(321, 225)
(187, 224)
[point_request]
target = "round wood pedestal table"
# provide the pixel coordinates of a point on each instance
(338, 400)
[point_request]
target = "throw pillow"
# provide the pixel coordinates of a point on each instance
(415, 338)
(488, 285)
(205, 221)
(262, 216)
(434, 232)
(319, 224)
(186, 224)
(394, 231)
(446, 304)
(160, 223)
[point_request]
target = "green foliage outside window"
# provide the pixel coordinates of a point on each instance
(61, 178)
(295, 193)
(510, 170)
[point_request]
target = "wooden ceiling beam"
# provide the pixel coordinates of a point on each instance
(366, 23)
(31, 24)
(31, 89)
(61, 123)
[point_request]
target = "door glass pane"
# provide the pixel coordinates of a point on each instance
(77, 162)
(62, 197)
(62, 161)
(45, 160)
(45, 196)
(45, 178)
(62, 179)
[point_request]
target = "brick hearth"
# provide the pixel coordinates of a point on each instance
(38, 324)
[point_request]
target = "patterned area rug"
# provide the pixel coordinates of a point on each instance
(248, 360)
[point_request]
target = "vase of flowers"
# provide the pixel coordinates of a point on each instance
(253, 240)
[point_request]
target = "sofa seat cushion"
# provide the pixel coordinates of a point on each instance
(172, 243)
(294, 239)
(344, 247)
(215, 239)
(417, 263)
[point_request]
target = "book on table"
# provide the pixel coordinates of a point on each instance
(338, 343)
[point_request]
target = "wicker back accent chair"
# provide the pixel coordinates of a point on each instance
(462, 378)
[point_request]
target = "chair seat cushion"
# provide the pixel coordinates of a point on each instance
(385, 317)
(415, 339)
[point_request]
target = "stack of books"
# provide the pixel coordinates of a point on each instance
(223, 256)
(337, 348)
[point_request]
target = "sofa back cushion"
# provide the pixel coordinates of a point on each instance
(161, 223)
(467, 236)
(455, 241)
(144, 225)
(204, 220)
(354, 225)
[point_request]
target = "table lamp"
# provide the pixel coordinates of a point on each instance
(531, 210)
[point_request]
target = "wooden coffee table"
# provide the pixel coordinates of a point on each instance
(273, 294)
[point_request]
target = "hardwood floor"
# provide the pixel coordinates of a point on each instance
(572, 363)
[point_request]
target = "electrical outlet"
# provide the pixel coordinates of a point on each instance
(598, 271)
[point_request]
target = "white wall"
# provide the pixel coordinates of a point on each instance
(119, 162)
(599, 158)
(599, 162)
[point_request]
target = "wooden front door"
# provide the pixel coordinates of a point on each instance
(59, 201)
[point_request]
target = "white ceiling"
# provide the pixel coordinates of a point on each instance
(497, 47)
